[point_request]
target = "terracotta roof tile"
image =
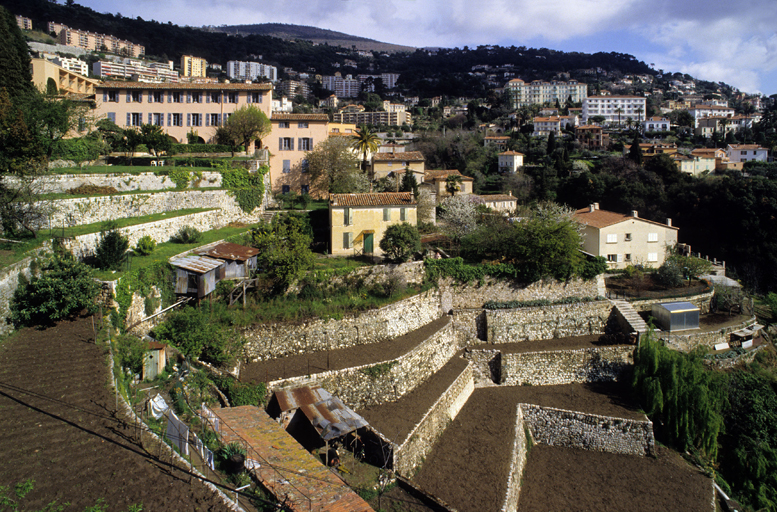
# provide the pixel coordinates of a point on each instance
(490, 198)
(283, 116)
(410, 156)
(511, 153)
(432, 175)
(603, 218)
(380, 199)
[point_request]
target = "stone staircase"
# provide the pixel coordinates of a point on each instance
(630, 315)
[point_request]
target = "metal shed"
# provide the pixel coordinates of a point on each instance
(676, 316)
(197, 275)
(239, 260)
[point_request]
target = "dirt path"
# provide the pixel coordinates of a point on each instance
(317, 362)
(58, 427)
(571, 343)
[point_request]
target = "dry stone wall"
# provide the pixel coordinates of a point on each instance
(357, 388)
(702, 301)
(689, 340)
(410, 455)
(9, 281)
(274, 340)
(547, 322)
(517, 464)
(475, 296)
(122, 182)
(600, 364)
(558, 427)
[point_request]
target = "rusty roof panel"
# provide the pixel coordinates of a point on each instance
(230, 251)
(328, 414)
(198, 264)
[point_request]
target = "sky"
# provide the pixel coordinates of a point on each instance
(713, 40)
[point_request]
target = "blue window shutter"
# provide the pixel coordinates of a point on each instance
(129, 118)
(207, 98)
(140, 97)
(291, 144)
(207, 119)
(150, 118)
(112, 116)
(188, 97)
(169, 97)
(280, 144)
(169, 119)
(105, 96)
(129, 97)
(248, 97)
(259, 98)
(150, 97)
(188, 119)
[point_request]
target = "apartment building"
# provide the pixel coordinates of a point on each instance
(343, 87)
(24, 23)
(615, 109)
(72, 65)
(193, 66)
(136, 70)
(592, 136)
(243, 70)
(374, 118)
(656, 124)
(178, 108)
(95, 42)
(539, 92)
(68, 82)
(701, 111)
(695, 165)
(296, 134)
(292, 88)
(746, 153)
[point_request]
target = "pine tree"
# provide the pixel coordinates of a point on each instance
(16, 77)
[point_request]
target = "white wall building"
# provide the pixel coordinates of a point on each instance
(242, 70)
(541, 92)
(746, 153)
(510, 162)
(702, 111)
(614, 109)
(656, 124)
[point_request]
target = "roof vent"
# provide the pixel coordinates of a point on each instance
(634, 213)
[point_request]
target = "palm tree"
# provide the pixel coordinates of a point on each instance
(452, 184)
(365, 141)
(619, 111)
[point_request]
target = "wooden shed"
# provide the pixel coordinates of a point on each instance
(240, 260)
(196, 276)
(155, 360)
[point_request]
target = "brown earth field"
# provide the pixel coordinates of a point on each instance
(59, 427)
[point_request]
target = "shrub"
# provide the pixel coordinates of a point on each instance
(131, 352)
(240, 393)
(591, 268)
(112, 249)
(670, 274)
(198, 335)
(91, 190)
(400, 241)
(145, 246)
(186, 235)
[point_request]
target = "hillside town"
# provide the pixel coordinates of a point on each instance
(335, 287)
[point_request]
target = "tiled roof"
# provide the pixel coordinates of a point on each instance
(705, 151)
(603, 218)
(430, 176)
(410, 156)
(491, 198)
(496, 138)
(380, 199)
(185, 86)
(745, 146)
(511, 153)
(284, 116)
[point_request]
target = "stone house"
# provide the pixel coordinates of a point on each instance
(436, 182)
(296, 134)
(394, 164)
(502, 203)
(625, 239)
(357, 222)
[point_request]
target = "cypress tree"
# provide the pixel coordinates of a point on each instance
(16, 77)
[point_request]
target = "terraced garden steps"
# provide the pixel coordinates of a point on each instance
(630, 314)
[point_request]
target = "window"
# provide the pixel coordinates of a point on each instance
(196, 97)
(137, 119)
(232, 97)
(743, 152)
(112, 116)
(386, 214)
(348, 217)
(653, 256)
(627, 238)
(612, 257)
(304, 189)
(214, 119)
(177, 97)
(305, 144)
(628, 257)
(215, 97)
(137, 96)
(286, 144)
(113, 96)
(652, 237)
(158, 119)
(612, 238)
(285, 189)
(256, 97)
(286, 166)
(283, 124)
(302, 124)
(177, 120)
(196, 119)
(157, 97)
(304, 166)
(403, 214)
(347, 240)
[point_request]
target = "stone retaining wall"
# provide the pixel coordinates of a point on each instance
(550, 368)
(517, 464)
(558, 427)
(547, 322)
(358, 389)
(471, 322)
(702, 301)
(473, 296)
(274, 340)
(89, 210)
(9, 281)
(689, 340)
(410, 455)
(122, 182)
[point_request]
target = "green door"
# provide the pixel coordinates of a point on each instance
(368, 243)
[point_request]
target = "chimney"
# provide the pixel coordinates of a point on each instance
(634, 213)
(596, 206)
(591, 208)
(669, 222)
(510, 193)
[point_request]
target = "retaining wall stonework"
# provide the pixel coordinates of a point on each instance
(473, 296)
(271, 341)
(558, 427)
(122, 182)
(547, 322)
(358, 389)
(9, 281)
(599, 364)
(702, 301)
(410, 455)
(689, 340)
(517, 464)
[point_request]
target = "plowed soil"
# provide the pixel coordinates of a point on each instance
(59, 427)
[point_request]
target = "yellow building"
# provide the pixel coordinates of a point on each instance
(625, 239)
(293, 135)
(357, 222)
(437, 181)
(68, 83)
(394, 164)
(193, 66)
(178, 108)
(502, 203)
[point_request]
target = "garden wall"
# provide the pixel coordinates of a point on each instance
(122, 182)
(558, 427)
(565, 366)
(517, 464)
(274, 340)
(9, 281)
(702, 301)
(89, 210)
(547, 322)
(689, 340)
(357, 388)
(410, 455)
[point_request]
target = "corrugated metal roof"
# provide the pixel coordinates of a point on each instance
(679, 307)
(230, 251)
(381, 199)
(198, 264)
(328, 414)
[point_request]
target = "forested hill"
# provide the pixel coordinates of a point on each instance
(447, 71)
(314, 35)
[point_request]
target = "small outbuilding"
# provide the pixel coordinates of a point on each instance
(239, 260)
(676, 316)
(155, 360)
(196, 276)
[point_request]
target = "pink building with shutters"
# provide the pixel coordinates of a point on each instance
(292, 137)
(178, 107)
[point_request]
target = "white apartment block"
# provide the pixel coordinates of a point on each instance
(540, 92)
(746, 153)
(656, 124)
(389, 79)
(242, 70)
(72, 65)
(343, 87)
(614, 109)
(94, 42)
(139, 71)
(702, 111)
